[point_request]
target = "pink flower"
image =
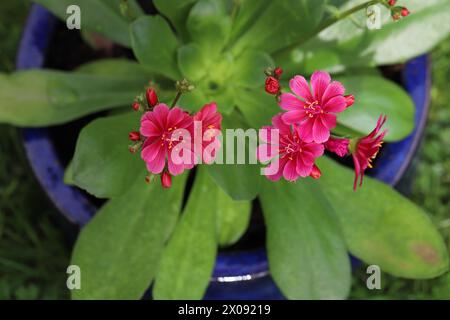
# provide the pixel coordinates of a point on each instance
(291, 156)
(366, 149)
(164, 130)
(211, 124)
(313, 109)
(338, 146)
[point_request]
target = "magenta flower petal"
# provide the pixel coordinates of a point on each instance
(290, 102)
(174, 168)
(319, 82)
(150, 150)
(160, 113)
(156, 166)
(303, 169)
(305, 130)
(294, 116)
(300, 87)
(335, 104)
(290, 170)
(334, 89)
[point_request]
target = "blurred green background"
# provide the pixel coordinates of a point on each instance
(34, 252)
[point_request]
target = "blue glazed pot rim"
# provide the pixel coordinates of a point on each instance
(235, 266)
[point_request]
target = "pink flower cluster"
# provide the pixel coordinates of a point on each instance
(166, 135)
(304, 130)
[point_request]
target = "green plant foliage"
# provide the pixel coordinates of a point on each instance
(189, 257)
(382, 227)
(120, 249)
(306, 250)
(101, 16)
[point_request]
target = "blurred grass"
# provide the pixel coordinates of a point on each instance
(34, 253)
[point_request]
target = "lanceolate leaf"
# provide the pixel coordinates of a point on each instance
(43, 97)
(283, 22)
(102, 165)
(307, 255)
(209, 25)
(345, 45)
(101, 16)
(258, 107)
(119, 251)
(240, 181)
(374, 96)
(176, 11)
(155, 45)
(189, 257)
(232, 217)
(382, 227)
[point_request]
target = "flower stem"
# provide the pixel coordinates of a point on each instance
(327, 23)
(178, 96)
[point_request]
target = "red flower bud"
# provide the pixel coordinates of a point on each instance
(132, 149)
(272, 85)
(136, 106)
(404, 12)
(395, 17)
(134, 136)
(349, 99)
(315, 173)
(278, 72)
(166, 180)
(392, 2)
(152, 98)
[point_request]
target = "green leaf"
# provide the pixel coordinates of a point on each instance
(345, 45)
(249, 69)
(68, 175)
(283, 22)
(192, 62)
(382, 227)
(155, 45)
(258, 107)
(176, 11)
(113, 67)
(209, 25)
(375, 96)
(119, 251)
(102, 164)
(233, 217)
(43, 97)
(101, 16)
(188, 259)
(247, 14)
(307, 255)
(239, 181)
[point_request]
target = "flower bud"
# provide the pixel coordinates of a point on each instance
(315, 173)
(272, 85)
(166, 180)
(404, 12)
(392, 2)
(395, 17)
(278, 72)
(134, 136)
(152, 98)
(136, 106)
(349, 99)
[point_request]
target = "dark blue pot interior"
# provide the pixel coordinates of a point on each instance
(237, 275)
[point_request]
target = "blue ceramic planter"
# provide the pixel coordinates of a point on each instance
(237, 275)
